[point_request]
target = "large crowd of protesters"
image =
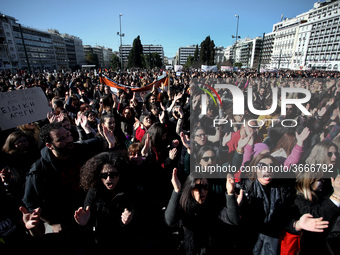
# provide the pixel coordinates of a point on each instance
(113, 171)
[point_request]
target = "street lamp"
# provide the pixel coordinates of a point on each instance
(238, 17)
(121, 35)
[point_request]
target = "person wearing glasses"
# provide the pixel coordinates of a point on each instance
(309, 200)
(194, 210)
(107, 210)
(267, 209)
(53, 185)
(201, 138)
(326, 155)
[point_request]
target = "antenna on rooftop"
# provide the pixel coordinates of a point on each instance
(281, 17)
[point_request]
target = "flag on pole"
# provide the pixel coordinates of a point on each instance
(104, 80)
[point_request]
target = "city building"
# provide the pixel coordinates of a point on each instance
(319, 45)
(27, 48)
(124, 51)
(32, 49)
(9, 58)
(229, 54)
(246, 51)
(267, 50)
(184, 52)
(103, 55)
(310, 40)
(74, 50)
(286, 34)
(60, 49)
(219, 55)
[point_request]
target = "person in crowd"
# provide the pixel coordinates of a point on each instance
(107, 211)
(18, 234)
(53, 184)
(194, 210)
(108, 121)
(32, 129)
(266, 209)
(160, 153)
(18, 154)
(309, 200)
(325, 155)
(141, 126)
(127, 120)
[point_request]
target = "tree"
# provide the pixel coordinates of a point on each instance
(156, 60)
(190, 61)
(153, 60)
(115, 63)
(207, 53)
(196, 56)
(135, 58)
(91, 59)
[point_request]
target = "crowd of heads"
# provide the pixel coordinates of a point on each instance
(158, 130)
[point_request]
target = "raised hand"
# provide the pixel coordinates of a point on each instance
(82, 216)
(136, 124)
(172, 153)
(30, 218)
(185, 140)
(230, 186)
(175, 181)
(161, 117)
(226, 138)
(302, 137)
(322, 111)
(146, 145)
(244, 140)
(109, 136)
(126, 216)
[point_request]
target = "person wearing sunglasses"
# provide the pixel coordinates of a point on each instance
(200, 138)
(193, 208)
(326, 155)
(267, 211)
(310, 201)
(107, 208)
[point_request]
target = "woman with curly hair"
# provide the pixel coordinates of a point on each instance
(107, 210)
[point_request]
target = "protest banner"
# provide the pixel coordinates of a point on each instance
(22, 106)
(205, 68)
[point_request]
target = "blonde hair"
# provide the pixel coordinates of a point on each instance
(304, 182)
(318, 155)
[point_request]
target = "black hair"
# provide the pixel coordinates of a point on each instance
(45, 132)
